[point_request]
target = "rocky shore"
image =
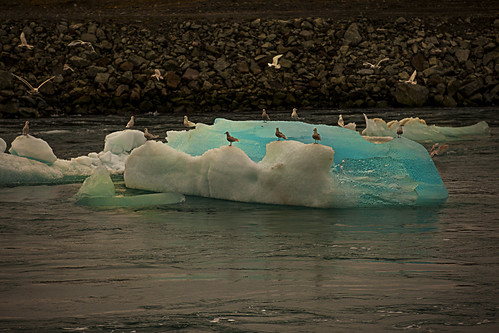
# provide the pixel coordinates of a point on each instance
(209, 66)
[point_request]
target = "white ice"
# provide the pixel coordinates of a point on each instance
(32, 148)
(416, 129)
(3, 145)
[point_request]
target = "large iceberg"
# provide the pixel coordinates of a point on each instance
(346, 170)
(416, 129)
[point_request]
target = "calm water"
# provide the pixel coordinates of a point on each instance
(212, 265)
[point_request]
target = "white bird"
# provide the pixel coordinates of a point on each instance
(149, 136)
(275, 61)
(24, 43)
(157, 74)
(265, 116)
(350, 126)
(279, 134)
(188, 123)
(66, 67)
(33, 89)
(412, 79)
(294, 114)
(26, 128)
(80, 42)
(231, 138)
(377, 65)
(316, 136)
(131, 122)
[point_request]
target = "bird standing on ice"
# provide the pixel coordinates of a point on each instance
(188, 123)
(26, 128)
(294, 114)
(231, 138)
(131, 122)
(275, 61)
(149, 136)
(279, 134)
(400, 131)
(265, 116)
(316, 136)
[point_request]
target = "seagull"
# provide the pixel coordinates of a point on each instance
(26, 128)
(412, 79)
(294, 115)
(377, 65)
(188, 123)
(149, 136)
(66, 68)
(33, 89)
(438, 149)
(24, 43)
(350, 126)
(275, 62)
(279, 134)
(157, 74)
(400, 131)
(131, 122)
(316, 136)
(80, 42)
(231, 138)
(265, 116)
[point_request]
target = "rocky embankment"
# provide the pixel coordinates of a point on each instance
(213, 66)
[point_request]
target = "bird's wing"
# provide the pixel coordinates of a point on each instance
(413, 76)
(157, 72)
(47, 80)
(75, 42)
(276, 59)
(384, 59)
(368, 64)
(24, 81)
(23, 39)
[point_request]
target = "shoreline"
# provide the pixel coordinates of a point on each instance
(221, 65)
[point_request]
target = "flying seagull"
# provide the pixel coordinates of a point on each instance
(80, 42)
(294, 114)
(377, 65)
(131, 122)
(316, 136)
(265, 116)
(33, 89)
(157, 74)
(279, 134)
(412, 79)
(188, 123)
(66, 67)
(231, 138)
(149, 136)
(275, 61)
(24, 43)
(26, 128)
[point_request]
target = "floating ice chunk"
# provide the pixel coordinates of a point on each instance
(32, 148)
(134, 201)
(416, 129)
(20, 170)
(98, 185)
(292, 173)
(123, 141)
(3, 145)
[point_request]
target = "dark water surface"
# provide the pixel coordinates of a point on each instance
(219, 266)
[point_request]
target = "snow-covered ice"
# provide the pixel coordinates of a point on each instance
(33, 148)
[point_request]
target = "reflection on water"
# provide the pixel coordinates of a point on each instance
(212, 265)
